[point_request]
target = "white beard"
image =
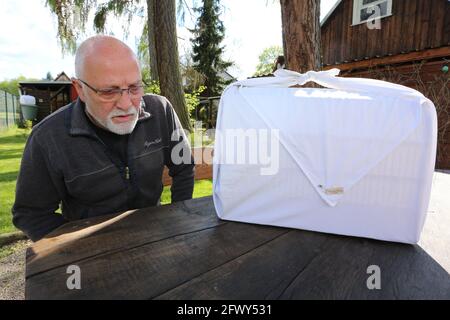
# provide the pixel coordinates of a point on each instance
(117, 128)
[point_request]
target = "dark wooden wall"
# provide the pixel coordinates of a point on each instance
(48, 98)
(414, 25)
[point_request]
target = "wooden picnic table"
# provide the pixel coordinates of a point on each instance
(183, 251)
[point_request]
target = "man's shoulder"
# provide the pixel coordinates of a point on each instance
(156, 98)
(155, 103)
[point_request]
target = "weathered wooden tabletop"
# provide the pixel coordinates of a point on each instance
(183, 251)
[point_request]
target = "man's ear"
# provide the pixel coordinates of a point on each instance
(79, 89)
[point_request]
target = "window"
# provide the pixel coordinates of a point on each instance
(364, 10)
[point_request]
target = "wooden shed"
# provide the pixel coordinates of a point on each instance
(50, 95)
(408, 43)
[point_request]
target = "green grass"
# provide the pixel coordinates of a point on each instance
(202, 188)
(12, 143)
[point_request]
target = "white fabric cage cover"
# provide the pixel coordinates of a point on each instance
(354, 158)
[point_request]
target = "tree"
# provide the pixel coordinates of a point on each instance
(163, 49)
(49, 76)
(192, 79)
(267, 59)
(12, 85)
(167, 58)
(149, 30)
(207, 52)
(301, 34)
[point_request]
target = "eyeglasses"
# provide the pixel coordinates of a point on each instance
(114, 94)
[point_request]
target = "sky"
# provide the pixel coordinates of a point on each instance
(29, 46)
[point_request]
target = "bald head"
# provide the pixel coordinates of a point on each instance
(98, 49)
(104, 64)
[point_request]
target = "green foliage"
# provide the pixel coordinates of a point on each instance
(151, 86)
(193, 78)
(27, 125)
(207, 52)
(267, 59)
(12, 85)
(143, 53)
(191, 98)
(49, 76)
(72, 16)
(118, 8)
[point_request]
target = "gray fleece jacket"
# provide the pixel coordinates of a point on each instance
(64, 162)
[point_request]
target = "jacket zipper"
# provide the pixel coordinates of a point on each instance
(127, 169)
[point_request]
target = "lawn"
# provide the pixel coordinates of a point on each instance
(12, 142)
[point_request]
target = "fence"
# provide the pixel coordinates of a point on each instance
(9, 110)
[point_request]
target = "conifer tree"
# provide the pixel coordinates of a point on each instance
(207, 51)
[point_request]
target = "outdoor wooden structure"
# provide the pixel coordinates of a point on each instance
(415, 25)
(50, 95)
(411, 47)
(183, 251)
(203, 165)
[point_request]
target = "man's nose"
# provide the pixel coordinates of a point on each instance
(124, 102)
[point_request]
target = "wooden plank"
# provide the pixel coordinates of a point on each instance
(398, 25)
(260, 274)
(428, 70)
(348, 16)
(338, 39)
(390, 31)
(340, 272)
(400, 58)
(329, 55)
(354, 44)
(344, 29)
(323, 46)
(407, 18)
(417, 26)
(371, 45)
(363, 34)
(437, 13)
(446, 32)
(92, 237)
(425, 25)
(410, 28)
(152, 269)
(332, 45)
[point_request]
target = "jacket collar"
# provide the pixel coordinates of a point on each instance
(79, 122)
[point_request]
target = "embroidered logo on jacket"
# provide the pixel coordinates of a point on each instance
(150, 143)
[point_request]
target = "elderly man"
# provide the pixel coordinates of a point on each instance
(105, 152)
